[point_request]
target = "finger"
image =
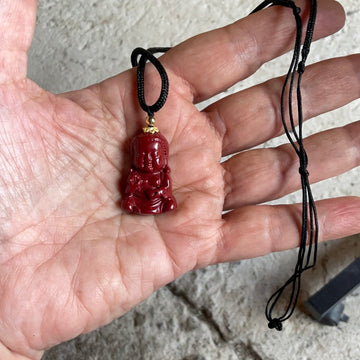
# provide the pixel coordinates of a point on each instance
(259, 230)
(211, 62)
(17, 23)
(331, 153)
(252, 116)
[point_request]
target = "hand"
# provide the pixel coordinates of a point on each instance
(70, 259)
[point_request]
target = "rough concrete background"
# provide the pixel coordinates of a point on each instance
(217, 312)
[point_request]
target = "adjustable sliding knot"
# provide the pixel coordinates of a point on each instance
(303, 171)
(275, 324)
(301, 67)
(303, 162)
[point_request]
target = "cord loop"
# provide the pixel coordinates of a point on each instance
(145, 56)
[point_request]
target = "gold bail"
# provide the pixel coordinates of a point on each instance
(150, 128)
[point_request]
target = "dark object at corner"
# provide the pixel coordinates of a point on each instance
(325, 306)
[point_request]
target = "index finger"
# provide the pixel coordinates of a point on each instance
(17, 23)
(212, 62)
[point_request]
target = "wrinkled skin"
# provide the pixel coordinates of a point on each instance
(70, 259)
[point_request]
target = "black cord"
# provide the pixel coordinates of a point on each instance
(147, 55)
(309, 230)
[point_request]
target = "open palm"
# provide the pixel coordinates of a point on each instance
(70, 259)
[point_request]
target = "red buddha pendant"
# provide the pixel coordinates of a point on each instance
(148, 188)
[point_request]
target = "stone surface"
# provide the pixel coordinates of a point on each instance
(217, 312)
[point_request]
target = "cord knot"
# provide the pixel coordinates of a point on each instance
(303, 171)
(275, 324)
(301, 67)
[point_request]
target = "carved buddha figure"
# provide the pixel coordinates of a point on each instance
(148, 186)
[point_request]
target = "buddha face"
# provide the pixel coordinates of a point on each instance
(149, 152)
